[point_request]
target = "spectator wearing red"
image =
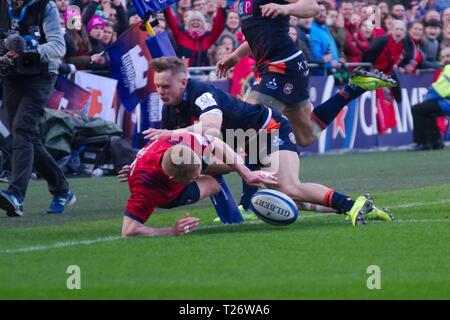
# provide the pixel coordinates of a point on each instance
(194, 42)
(347, 9)
(356, 44)
(386, 51)
(413, 56)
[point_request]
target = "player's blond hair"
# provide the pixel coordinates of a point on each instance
(181, 161)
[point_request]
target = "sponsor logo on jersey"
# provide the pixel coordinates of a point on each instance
(272, 84)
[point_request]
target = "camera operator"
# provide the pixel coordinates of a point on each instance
(31, 56)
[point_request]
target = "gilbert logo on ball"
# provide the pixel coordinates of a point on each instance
(274, 207)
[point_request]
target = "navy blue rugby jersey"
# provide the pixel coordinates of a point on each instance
(268, 37)
(201, 98)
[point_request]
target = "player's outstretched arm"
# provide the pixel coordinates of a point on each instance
(299, 8)
(225, 154)
(133, 228)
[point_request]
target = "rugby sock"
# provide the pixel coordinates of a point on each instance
(225, 205)
(326, 112)
(338, 201)
(247, 191)
(247, 194)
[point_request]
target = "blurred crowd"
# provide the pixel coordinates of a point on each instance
(407, 35)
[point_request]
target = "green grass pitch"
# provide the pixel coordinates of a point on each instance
(318, 257)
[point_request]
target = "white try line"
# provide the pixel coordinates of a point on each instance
(419, 204)
(73, 243)
(62, 245)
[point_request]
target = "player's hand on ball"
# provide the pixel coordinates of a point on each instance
(186, 225)
(226, 64)
(273, 10)
(155, 134)
(124, 173)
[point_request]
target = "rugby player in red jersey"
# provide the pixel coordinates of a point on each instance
(168, 173)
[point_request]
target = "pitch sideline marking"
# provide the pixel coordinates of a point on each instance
(206, 227)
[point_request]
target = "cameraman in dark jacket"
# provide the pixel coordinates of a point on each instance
(34, 48)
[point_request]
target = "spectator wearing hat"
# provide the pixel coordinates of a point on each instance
(430, 43)
(194, 42)
(95, 30)
(79, 50)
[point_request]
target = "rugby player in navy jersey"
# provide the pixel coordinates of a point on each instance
(283, 82)
(217, 112)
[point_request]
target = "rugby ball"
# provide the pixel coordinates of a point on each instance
(274, 207)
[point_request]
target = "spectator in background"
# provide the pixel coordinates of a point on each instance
(358, 5)
(194, 42)
(386, 51)
(398, 12)
(80, 4)
(347, 9)
(233, 23)
(95, 30)
(199, 5)
(387, 23)
(228, 41)
(446, 17)
(293, 21)
(183, 6)
(336, 23)
(78, 46)
(210, 9)
(133, 17)
(384, 9)
(431, 15)
(367, 32)
(107, 10)
(430, 42)
(446, 37)
(355, 44)
(426, 134)
(304, 32)
(413, 57)
(323, 45)
(218, 54)
(109, 34)
(62, 6)
(293, 33)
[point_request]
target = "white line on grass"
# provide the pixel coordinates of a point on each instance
(62, 245)
(419, 204)
(207, 227)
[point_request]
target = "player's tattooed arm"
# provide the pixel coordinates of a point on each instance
(300, 8)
